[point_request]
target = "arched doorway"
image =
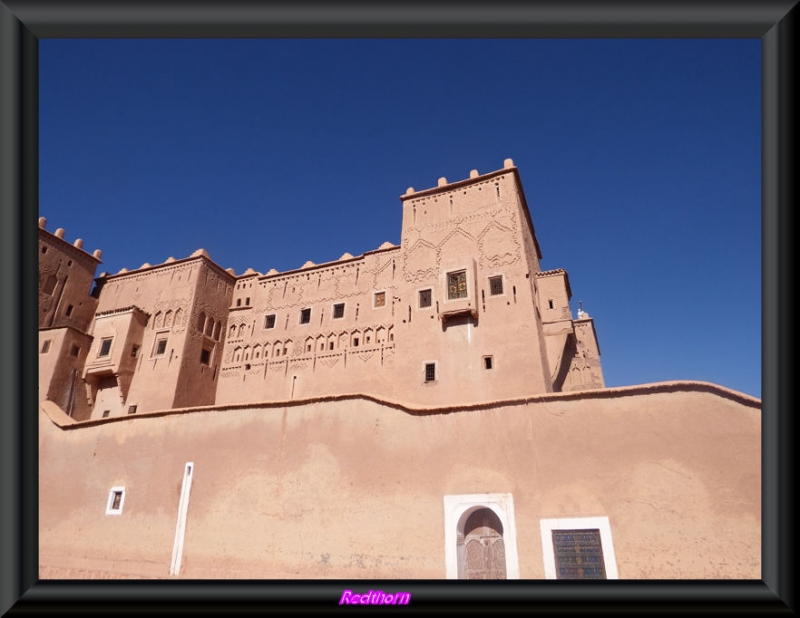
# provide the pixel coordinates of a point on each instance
(484, 548)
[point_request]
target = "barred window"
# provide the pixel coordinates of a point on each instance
(269, 321)
(305, 316)
(579, 554)
(424, 298)
(338, 310)
(496, 285)
(380, 299)
(430, 372)
(457, 285)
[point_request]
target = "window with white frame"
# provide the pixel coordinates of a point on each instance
(105, 346)
(578, 548)
(116, 500)
(480, 537)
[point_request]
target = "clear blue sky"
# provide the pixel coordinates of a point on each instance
(640, 160)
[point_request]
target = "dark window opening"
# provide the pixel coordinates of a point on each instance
(116, 501)
(247, 301)
(550, 303)
(132, 409)
(487, 362)
(68, 312)
(496, 285)
(269, 321)
(338, 310)
(105, 347)
(305, 316)
(69, 263)
(75, 350)
(578, 554)
(106, 413)
(45, 347)
(380, 299)
(238, 302)
(430, 372)
(161, 346)
(457, 285)
(134, 350)
(425, 298)
(330, 346)
(247, 367)
(205, 357)
(355, 342)
(44, 249)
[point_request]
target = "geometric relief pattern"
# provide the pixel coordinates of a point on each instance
(499, 246)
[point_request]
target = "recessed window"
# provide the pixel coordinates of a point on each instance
(247, 367)
(457, 285)
(487, 362)
(338, 310)
(355, 342)
(496, 285)
(105, 346)
(116, 499)
(69, 262)
(550, 303)
(69, 310)
(238, 302)
(44, 249)
(330, 345)
(269, 321)
(106, 413)
(132, 409)
(160, 346)
(134, 350)
(578, 554)
(45, 346)
(75, 350)
(247, 301)
(380, 299)
(430, 372)
(578, 548)
(425, 297)
(205, 357)
(305, 316)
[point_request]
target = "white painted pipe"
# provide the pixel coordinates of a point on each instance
(180, 528)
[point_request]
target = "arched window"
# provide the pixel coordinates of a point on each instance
(201, 321)
(209, 326)
(232, 332)
(168, 318)
(159, 320)
(241, 330)
(177, 318)
(480, 537)
(217, 329)
(484, 548)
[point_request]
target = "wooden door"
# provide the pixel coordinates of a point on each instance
(485, 552)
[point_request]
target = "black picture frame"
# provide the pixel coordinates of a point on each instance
(22, 23)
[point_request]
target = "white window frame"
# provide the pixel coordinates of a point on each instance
(159, 335)
(110, 347)
(333, 311)
(110, 510)
(458, 508)
(429, 307)
(489, 285)
(385, 299)
(577, 523)
(425, 371)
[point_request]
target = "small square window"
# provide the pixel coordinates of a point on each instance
(132, 409)
(430, 372)
(75, 350)
(105, 346)
(68, 312)
(44, 249)
(338, 310)
(106, 413)
(116, 499)
(424, 298)
(305, 316)
(380, 299)
(205, 357)
(488, 363)
(269, 321)
(496, 285)
(457, 285)
(45, 346)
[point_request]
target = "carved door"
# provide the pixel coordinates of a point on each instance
(485, 552)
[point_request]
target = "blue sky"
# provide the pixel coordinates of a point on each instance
(640, 160)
